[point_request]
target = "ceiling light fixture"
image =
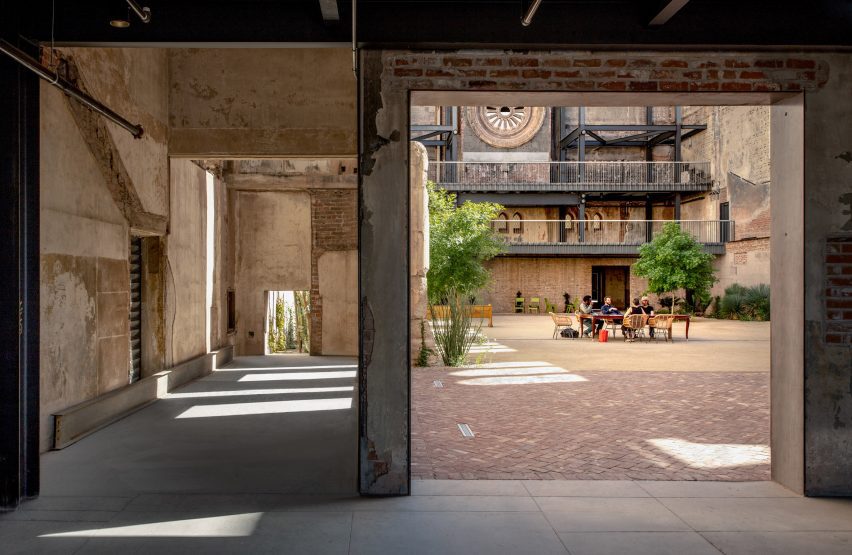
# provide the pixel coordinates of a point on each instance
(144, 14)
(526, 20)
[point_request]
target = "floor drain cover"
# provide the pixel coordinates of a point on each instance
(438, 383)
(465, 430)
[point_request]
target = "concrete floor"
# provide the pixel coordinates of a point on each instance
(229, 464)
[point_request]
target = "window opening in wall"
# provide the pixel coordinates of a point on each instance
(517, 224)
(724, 217)
(135, 308)
(232, 311)
(287, 322)
(502, 223)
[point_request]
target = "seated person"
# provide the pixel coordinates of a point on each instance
(634, 308)
(607, 308)
(586, 308)
(645, 306)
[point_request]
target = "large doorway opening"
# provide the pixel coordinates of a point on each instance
(687, 401)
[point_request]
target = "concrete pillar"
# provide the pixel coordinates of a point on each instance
(827, 328)
(419, 246)
(384, 368)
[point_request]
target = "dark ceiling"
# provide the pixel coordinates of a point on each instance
(438, 24)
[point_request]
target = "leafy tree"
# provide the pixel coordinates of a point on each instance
(675, 260)
(460, 241)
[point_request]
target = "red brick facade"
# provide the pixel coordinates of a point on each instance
(838, 291)
(606, 71)
(334, 227)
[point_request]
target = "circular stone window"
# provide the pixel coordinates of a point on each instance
(505, 126)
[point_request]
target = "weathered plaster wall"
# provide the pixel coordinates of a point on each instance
(186, 248)
(332, 241)
(273, 253)
(737, 145)
(828, 363)
(253, 102)
(84, 339)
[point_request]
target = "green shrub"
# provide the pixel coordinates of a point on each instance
(744, 303)
(455, 334)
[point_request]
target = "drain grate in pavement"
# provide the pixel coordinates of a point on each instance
(438, 383)
(465, 430)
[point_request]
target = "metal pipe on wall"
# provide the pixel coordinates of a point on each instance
(68, 88)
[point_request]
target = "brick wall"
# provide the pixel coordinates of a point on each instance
(605, 71)
(334, 227)
(838, 291)
(548, 278)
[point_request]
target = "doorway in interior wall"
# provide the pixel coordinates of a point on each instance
(611, 281)
(287, 325)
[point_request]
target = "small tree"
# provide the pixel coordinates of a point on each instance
(461, 239)
(675, 260)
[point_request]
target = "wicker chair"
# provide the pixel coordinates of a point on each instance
(635, 326)
(560, 322)
(663, 324)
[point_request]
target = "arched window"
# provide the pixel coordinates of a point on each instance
(596, 222)
(517, 224)
(502, 224)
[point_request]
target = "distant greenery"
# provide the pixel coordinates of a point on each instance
(461, 240)
(674, 260)
(744, 303)
(456, 333)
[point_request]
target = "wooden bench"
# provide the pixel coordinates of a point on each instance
(476, 311)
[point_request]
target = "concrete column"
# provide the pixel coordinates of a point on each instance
(419, 246)
(384, 369)
(828, 331)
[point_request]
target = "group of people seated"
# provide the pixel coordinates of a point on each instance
(639, 306)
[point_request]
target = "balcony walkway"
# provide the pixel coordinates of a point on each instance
(571, 177)
(602, 237)
(209, 472)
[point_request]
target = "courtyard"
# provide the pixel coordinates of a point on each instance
(540, 408)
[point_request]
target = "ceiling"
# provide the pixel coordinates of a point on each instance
(728, 24)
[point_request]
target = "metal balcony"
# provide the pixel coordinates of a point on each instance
(603, 237)
(577, 177)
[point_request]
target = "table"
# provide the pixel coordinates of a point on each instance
(608, 317)
(594, 317)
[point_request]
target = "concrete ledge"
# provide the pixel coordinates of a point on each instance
(75, 423)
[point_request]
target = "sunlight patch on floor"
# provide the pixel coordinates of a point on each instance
(240, 393)
(713, 455)
(266, 407)
(297, 376)
(523, 380)
(225, 526)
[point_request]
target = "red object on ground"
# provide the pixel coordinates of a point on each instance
(603, 336)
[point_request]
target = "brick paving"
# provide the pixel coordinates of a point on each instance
(608, 425)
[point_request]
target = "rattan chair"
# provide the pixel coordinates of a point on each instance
(663, 324)
(560, 322)
(635, 326)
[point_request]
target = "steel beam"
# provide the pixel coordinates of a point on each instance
(668, 11)
(523, 199)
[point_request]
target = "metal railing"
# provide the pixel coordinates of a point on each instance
(637, 176)
(616, 233)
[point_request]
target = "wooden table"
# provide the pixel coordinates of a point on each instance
(609, 317)
(683, 317)
(593, 317)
